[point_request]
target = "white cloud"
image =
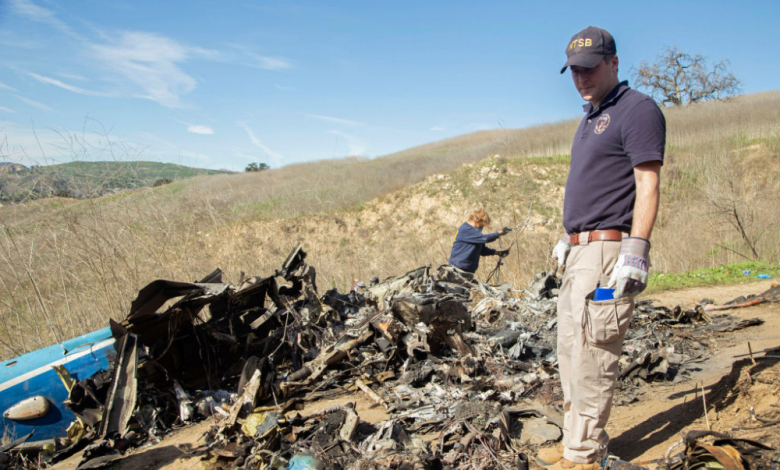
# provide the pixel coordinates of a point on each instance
(244, 56)
(6, 110)
(335, 119)
(70, 76)
(34, 103)
(33, 12)
(268, 62)
(74, 89)
(198, 129)
(151, 61)
(3, 86)
(195, 128)
(284, 88)
(355, 147)
(438, 128)
(276, 158)
(148, 60)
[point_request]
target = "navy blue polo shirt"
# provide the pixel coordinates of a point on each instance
(627, 129)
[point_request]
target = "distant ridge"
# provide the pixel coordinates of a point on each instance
(78, 179)
(10, 167)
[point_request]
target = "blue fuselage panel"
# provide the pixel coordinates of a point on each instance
(32, 374)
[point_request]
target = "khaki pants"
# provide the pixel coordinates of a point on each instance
(590, 340)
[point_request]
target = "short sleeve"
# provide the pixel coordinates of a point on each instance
(644, 133)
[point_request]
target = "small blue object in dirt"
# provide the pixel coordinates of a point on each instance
(304, 462)
(746, 272)
(764, 276)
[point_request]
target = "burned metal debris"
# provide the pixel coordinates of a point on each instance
(711, 450)
(466, 372)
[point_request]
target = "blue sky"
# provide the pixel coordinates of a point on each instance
(222, 84)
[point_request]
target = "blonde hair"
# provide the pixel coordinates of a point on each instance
(479, 218)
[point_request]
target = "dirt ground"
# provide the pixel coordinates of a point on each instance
(646, 429)
(640, 431)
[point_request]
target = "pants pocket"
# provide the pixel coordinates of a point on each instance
(607, 321)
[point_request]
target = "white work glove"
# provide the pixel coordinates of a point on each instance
(561, 250)
(629, 276)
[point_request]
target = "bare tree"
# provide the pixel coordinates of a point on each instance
(678, 78)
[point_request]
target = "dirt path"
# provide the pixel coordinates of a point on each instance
(644, 430)
(172, 453)
(640, 431)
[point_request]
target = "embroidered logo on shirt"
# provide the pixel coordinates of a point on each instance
(601, 124)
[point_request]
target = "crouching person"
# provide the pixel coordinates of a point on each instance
(470, 242)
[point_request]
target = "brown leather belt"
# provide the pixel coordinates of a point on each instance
(598, 236)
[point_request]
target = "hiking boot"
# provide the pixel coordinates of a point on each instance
(550, 455)
(566, 464)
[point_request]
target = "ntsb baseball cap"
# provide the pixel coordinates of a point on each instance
(588, 47)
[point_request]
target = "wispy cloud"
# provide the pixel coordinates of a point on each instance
(354, 145)
(198, 129)
(151, 61)
(284, 88)
(65, 86)
(245, 56)
(39, 14)
(268, 62)
(438, 128)
(6, 110)
(275, 157)
(3, 86)
(195, 128)
(335, 119)
(71, 76)
(33, 103)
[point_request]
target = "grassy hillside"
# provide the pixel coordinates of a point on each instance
(67, 265)
(88, 179)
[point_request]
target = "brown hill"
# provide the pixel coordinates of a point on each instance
(359, 218)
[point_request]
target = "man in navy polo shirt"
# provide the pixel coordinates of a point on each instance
(609, 210)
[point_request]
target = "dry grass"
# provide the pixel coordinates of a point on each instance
(67, 265)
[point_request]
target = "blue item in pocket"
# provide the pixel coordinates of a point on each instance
(602, 293)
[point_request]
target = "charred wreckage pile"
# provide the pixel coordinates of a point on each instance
(465, 372)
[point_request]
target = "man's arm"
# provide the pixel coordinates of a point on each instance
(647, 176)
(487, 251)
(629, 276)
(474, 236)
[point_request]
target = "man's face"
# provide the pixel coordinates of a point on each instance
(594, 84)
